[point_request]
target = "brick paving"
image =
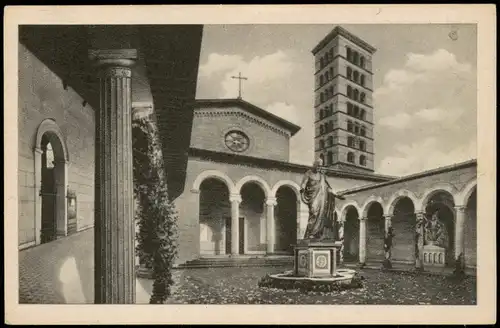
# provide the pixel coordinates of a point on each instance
(62, 272)
(58, 272)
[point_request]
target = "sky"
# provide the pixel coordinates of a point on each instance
(424, 86)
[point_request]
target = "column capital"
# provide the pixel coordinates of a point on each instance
(388, 216)
(38, 150)
(114, 57)
(363, 218)
(460, 208)
(271, 201)
(235, 198)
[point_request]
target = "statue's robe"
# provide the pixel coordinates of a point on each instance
(322, 223)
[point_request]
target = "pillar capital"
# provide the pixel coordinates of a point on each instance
(38, 150)
(363, 218)
(388, 217)
(113, 57)
(235, 198)
(271, 201)
(460, 208)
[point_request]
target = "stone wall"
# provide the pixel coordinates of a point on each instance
(42, 96)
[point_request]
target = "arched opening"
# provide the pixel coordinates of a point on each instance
(351, 235)
(403, 223)
(285, 220)
(439, 229)
(350, 157)
(53, 191)
(470, 231)
(215, 218)
(375, 226)
(252, 221)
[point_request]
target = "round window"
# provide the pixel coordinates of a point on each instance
(237, 141)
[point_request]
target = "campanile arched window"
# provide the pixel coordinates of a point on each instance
(350, 157)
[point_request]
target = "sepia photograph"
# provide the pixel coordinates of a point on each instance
(331, 163)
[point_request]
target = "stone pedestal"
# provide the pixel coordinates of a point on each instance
(316, 259)
(434, 256)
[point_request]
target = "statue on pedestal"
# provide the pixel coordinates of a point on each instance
(317, 193)
(435, 231)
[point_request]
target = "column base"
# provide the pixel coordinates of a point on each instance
(387, 264)
(361, 265)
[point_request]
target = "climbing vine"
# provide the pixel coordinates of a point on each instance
(155, 212)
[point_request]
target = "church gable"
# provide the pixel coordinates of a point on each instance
(234, 129)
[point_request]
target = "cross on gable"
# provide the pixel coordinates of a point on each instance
(239, 78)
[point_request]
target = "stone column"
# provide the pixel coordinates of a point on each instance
(61, 173)
(38, 199)
(270, 231)
(235, 223)
(388, 242)
(459, 239)
(419, 241)
(114, 205)
(362, 241)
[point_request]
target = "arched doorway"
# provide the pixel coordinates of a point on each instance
(470, 231)
(404, 224)
(375, 233)
(215, 218)
(252, 221)
(441, 203)
(51, 178)
(52, 173)
(351, 235)
(285, 217)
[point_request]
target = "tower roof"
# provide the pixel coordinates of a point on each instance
(251, 108)
(346, 34)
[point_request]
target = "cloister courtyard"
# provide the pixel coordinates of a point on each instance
(63, 272)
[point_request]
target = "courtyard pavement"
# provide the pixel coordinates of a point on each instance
(63, 272)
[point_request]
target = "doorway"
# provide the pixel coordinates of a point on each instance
(48, 192)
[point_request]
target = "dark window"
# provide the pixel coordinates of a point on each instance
(363, 131)
(329, 158)
(355, 76)
(362, 145)
(355, 94)
(331, 54)
(349, 126)
(321, 63)
(321, 144)
(349, 54)
(362, 114)
(362, 160)
(362, 97)
(321, 81)
(349, 108)
(349, 91)
(350, 157)
(322, 97)
(362, 61)
(349, 73)
(350, 141)
(355, 111)
(356, 129)
(331, 72)
(321, 129)
(330, 141)
(355, 57)
(321, 114)
(362, 80)
(327, 77)
(322, 158)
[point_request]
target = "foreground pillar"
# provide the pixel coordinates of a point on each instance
(270, 232)
(419, 241)
(388, 242)
(362, 241)
(114, 206)
(235, 223)
(459, 239)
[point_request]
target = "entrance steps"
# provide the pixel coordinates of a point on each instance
(239, 261)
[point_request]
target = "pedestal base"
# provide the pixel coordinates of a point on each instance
(434, 256)
(316, 259)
